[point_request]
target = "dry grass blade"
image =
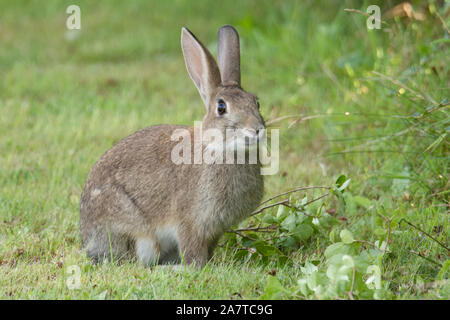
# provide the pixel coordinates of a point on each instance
(364, 14)
(401, 84)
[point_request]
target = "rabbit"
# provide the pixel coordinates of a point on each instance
(138, 204)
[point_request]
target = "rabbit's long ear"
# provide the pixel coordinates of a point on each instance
(229, 55)
(200, 64)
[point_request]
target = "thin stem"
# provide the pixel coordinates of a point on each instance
(425, 233)
(388, 222)
(269, 206)
(426, 258)
(240, 234)
(314, 200)
(290, 205)
(350, 294)
(294, 190)
(401, 84)
(268, 228)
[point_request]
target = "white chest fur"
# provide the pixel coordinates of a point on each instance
(162, 246)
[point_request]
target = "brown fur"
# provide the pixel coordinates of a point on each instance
(135, 189)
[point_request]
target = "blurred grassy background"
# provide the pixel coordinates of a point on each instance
(66, 97)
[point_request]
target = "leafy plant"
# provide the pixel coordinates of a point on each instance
(348, 272)
(293, 224)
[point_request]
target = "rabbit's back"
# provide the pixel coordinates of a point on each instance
(135, 182)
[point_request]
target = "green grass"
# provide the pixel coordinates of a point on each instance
(65, 100)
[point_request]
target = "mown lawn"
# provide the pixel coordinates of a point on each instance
(359, 104)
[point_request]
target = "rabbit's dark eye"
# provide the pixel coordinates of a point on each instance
(221, 107)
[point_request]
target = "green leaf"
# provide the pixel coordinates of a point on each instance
(240, 254)
(304, 201)
(247, 243)
(344, 185)
(340, 180)
(444, 270)
(303, 231)
(442, 40)
(283, 259)
(380, 232)
(302, 283)
(290, 222)
(289, 242)
(335, 273)
(281, 211)
(348, 261)
(273, 290)
(265, 249)
(361, 262)
(327, 220)
(334, 249)
(362, 202)
(374, 280)
(346, 236)
(338, 248)
(313, 280)
(300, 217)
(101, 296)
(269, 219)
(308, 268)
(332, 236)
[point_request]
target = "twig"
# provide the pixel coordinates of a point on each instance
(290, 205)
(288, 234)
(426, 258)
(364, 14)
(294, 190)
(286, 203)
(425, 233)
(373, 245)
(271, 227)
(269, 206)
(357, 11)
(240, 234)
(314, 200)
(443, 22)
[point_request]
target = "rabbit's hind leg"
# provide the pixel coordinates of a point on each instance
(105, 245)
(147, 251)
(110, 221)
(193, 250)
